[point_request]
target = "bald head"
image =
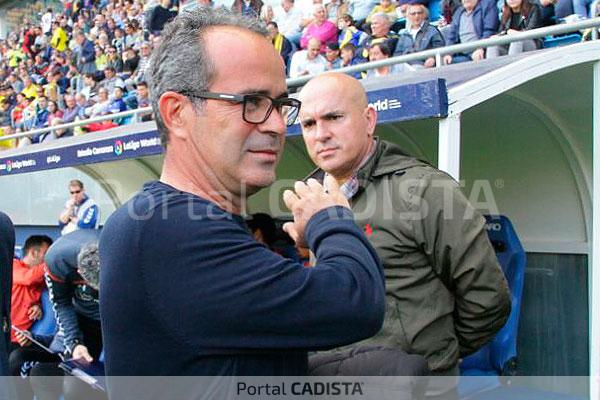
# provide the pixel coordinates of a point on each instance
(337, 123)
(343, 84)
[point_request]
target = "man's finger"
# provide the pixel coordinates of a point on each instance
(290, 229)
(290, 199)
(314, 185)
(301, 189)
(331, 185)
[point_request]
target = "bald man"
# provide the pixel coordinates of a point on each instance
(309, 61)
(446, 294)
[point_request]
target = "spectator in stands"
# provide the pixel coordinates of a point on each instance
(53, 111)
(119, 40)
(350, 33)
(161, 14)
(336, 9)
(59, 40)
(332, 56)
(282, 45)
(321, 28)
(419, 35)
(101, 105)
(28, 284)
(309, 61)
(446, 304)
(29, 88)
(248, 8)
(111, 80)
(266, 14)
(83, 103)
(385, 7)
(71, 110)
(130, 62)
(80, 212)
(90, 87)
(85, 54)
(57, 133)
(381, 51)
(41, 112)
(517, 16)
(15, 82)
(475, 20)
(140, 72)
(133, 35)
(101, 58)
(117, 104)
(72, 279)
(288, 19)
(142, 95)
(52, 89)
(380, 33)
(234, 272)
(360, 9)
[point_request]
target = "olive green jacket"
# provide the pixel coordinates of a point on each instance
(446, 294)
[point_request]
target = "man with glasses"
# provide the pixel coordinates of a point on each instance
(419, 35)
(208, 299)
(80, 212)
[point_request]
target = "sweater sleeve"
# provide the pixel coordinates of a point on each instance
(225, 290)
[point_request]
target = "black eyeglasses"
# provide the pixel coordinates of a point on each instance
(75, 192)
(256, 107)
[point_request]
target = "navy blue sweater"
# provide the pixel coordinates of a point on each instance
(186, 290)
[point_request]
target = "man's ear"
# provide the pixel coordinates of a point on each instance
(175, 111)
(371, 116)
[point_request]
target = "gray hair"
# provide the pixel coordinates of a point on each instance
(180, 62)
(88, 264)
(384, 17)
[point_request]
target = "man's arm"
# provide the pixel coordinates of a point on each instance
(271, 302)
(89, 218)
(453, 236)
(490, 20)
(29, 276)
(61, 296)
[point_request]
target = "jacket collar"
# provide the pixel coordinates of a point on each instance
(387, 159)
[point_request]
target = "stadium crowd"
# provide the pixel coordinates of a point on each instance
(90, 59)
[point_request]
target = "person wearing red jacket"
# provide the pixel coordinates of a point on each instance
(28, 284)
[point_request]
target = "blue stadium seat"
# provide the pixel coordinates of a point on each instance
(435, 10)
(564, 40)
(499, 356)
(47, 325)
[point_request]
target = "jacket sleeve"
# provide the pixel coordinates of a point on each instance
(61, 296)
(89, 218)
(453, 236)
(30, 276)
(437, 39)
(535, 18)
(490, 19)
(452, 35)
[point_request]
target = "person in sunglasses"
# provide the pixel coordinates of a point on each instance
(208, 298)
(80, 212)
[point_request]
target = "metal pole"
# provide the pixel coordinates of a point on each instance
(594, 264)
(449, 145)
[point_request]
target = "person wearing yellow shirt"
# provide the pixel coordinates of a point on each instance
(386, 7)
(30, 89)
(15, 56)
(59, 39)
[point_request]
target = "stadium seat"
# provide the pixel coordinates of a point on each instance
(47, 325)
(435, 10)
(551, 41)
(499, 356)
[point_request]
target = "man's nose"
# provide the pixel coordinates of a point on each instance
(275, 124)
